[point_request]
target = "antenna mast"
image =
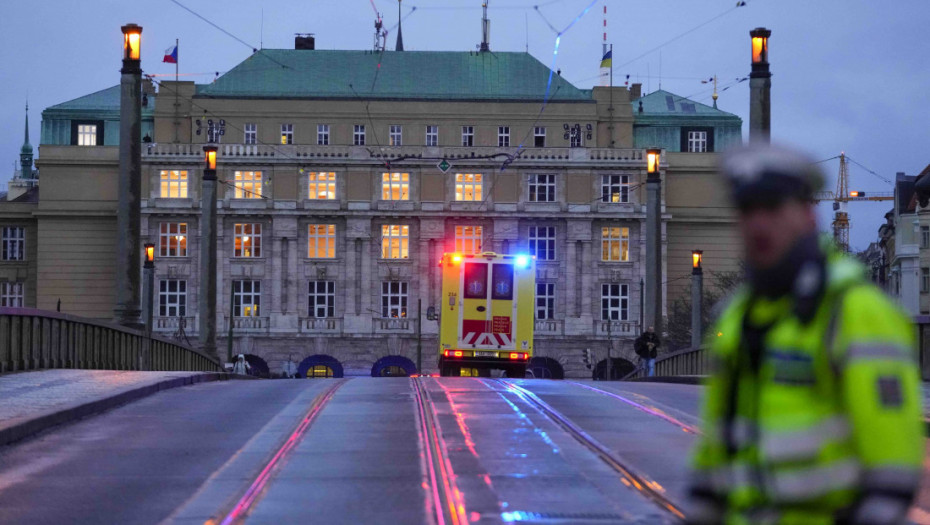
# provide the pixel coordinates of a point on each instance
(485, 29)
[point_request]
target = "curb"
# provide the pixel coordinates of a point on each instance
(21, 429)
(686, 380)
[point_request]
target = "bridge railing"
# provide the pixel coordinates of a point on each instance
(32, 339)
(689, 362)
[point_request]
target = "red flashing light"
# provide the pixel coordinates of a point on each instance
(453, 353)
(518, 355)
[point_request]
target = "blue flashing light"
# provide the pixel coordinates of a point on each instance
(523, 261)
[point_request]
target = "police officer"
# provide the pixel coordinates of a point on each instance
(813, 414)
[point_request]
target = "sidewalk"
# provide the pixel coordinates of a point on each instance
(34, 401)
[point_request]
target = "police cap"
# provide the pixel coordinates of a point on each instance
(763, 175)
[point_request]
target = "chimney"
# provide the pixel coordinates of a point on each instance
(305, 41)
(636, 91)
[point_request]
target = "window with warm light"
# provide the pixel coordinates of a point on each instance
(322, 135)
(395, 135)
(172, 298)
(545, 300)
(322, 299)
(615, 302)
(358, 135)
(395, 186)
(615, 188)
(251, 134)
(615, 244)
(322, 185)
(468, 187)
(13, 243)
(247, 297)
(172, 239)
(542, 242)
(11, 294)
(468, 239)
(541, 188)
(87, 135)
(468, 136)
(394, 299)
(503, 136)
(321, 241)
(395, 241)
(248, 240)
(247, 185)
(432, 135)
(287, 133)
(173, 184)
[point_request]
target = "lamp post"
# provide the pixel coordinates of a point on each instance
(760, 87)
(697, 296)
(653, 315)
(206, 303)
(129, 210)
(148, 303)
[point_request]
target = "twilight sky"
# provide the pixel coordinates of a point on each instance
(849, 75)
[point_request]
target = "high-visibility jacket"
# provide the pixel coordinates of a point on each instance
(826, 427)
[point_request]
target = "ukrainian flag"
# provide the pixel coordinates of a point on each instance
(607, 61)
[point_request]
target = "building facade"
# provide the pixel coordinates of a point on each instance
(344, 177)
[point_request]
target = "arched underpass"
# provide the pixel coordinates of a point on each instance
(320, 365)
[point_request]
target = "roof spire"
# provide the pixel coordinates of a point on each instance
(400, 36)
(27, 148)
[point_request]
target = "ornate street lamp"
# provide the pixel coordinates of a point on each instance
(760, 87)
(206, 306)
(697, 297)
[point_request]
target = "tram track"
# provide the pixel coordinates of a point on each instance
(238, 512)
(628, 474)
(444, 499)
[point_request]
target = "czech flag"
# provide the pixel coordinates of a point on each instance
(171, 55)
(608, 59)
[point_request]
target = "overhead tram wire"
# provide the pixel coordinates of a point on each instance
(227, 33)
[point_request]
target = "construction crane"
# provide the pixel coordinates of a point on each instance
(841, 198)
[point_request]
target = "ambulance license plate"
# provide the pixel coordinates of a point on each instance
(485, 354)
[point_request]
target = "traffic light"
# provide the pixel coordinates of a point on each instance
(588, 358)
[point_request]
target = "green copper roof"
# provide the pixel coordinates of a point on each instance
(101, 100)
(664, 104)
(429, 75)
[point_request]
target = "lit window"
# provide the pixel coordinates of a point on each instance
(321, 241)
(172, 239)
(395, 135)
(247, 297)
(432, 135)
(358, 135)
(322, 135)
(172, 298)
(395, 241)
(615, 188)
(247, 184)
(545, 300)
(468, 239)
(542, 242)
(503, 136)
(615, 302)
(615, 244)
(11, 294)
(394, 299)
(251, 133)
(287, 133)
(173, 184)
(248, 240)
(322, 299)
(468, 135)
(697, 141)
(322, 185)
(87, 135)
(13, 242)
(539, 136)
(468, 186)
(542, 188)
(395, 186)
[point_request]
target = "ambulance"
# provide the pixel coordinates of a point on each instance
(487, 314)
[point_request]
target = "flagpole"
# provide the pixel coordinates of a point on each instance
(177, 103)
(176, 63)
